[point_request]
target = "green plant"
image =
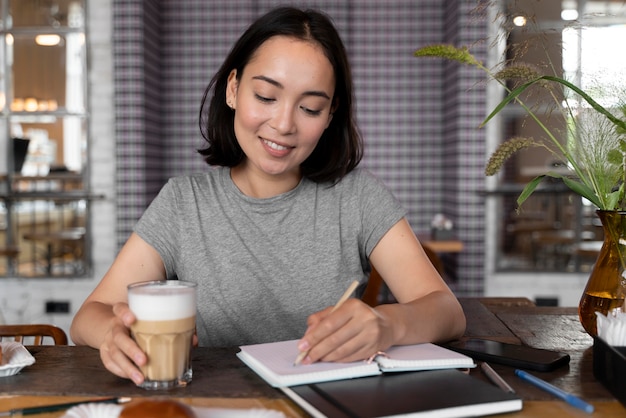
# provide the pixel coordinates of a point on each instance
(596, 150)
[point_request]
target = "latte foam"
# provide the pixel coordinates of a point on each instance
(162, 302)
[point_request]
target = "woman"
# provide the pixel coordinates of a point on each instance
(274, 233)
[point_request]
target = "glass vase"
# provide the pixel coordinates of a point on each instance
(606, 286)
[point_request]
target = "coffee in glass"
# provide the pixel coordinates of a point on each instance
(166, 316)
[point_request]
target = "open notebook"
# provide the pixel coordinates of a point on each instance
(274, 363)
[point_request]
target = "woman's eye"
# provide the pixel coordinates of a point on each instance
(311, 112)
(263, 99)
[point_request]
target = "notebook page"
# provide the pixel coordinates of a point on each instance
(274, 363)
(422, 357)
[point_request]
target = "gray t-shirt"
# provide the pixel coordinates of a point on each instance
(263, 265)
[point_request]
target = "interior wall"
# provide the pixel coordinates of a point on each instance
(421, 139)
(400, 102)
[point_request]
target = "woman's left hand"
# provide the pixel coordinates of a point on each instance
(354, 331)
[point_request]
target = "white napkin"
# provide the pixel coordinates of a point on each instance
(14, 358)
(612, 327)
(102, 410)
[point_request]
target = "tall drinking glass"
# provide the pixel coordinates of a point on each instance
(166, 318)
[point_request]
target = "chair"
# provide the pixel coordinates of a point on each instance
(372, 290)
(36, 332)
(375, 282)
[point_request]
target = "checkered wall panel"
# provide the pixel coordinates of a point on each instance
(419, 117)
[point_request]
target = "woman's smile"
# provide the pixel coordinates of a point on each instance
(275, 149)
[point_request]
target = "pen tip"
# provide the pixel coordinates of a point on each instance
(300, 358)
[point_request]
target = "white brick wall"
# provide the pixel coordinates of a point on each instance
(23, 300)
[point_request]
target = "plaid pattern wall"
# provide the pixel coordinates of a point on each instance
(418, 117)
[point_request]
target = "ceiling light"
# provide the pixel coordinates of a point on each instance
(519, 20)
(17, 105)
(47, 40)
(30, 104)
(569, 14)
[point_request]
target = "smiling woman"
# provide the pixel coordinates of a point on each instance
(283, 222)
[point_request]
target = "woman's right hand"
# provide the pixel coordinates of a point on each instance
(119, 353)
(104, 319)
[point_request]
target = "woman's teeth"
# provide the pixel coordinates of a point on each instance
(274, 145)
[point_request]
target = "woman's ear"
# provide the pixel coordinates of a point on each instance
(231, 89)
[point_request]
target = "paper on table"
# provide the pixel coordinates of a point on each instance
(14, 358)
(278, 361)
(94, 410)
(612, 327)
(422, 356)
(113, 411)
(274, 363)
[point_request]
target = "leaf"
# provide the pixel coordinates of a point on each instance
(615, 157)
(576, 186)
(509, 98)
(597, 106)
(580, 189)
(613, 199)
(620, 124)
(529, 189)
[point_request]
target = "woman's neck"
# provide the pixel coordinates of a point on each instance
(262, 185)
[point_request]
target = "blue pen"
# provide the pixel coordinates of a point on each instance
(559, 393)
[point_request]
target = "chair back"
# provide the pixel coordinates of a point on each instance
(33, 334)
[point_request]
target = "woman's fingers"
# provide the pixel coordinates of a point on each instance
(120, 354)
(352, 332)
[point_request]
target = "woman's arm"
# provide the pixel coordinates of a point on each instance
(104, 319)
(427, 310)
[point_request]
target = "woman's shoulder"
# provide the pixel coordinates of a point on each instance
(212, 175)
(361, 177)
(194, 185)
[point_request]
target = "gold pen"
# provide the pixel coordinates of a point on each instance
(343, 298)
(496, 378)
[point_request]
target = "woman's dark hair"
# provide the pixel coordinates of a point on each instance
(340, 148)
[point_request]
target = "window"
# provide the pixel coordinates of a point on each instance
(44, 195)
(556, 230)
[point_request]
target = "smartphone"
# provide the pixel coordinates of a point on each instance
(514, 355)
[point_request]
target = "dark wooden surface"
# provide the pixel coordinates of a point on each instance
(78, 371)
(549, 328)
(220, 376)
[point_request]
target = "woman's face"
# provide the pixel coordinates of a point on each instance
(282, 104)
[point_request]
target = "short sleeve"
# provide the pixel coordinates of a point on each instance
(380, 209)
(158, 226)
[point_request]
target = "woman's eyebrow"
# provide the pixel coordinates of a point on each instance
(273, 82)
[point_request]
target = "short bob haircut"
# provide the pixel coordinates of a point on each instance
(340, 147)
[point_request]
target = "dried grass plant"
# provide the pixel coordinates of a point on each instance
(595, 151)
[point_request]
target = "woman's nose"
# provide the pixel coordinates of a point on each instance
(283, 120)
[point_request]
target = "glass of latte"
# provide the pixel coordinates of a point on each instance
(166, 319)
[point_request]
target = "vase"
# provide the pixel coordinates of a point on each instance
(606, 286)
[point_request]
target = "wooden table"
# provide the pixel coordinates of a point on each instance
(63, 374)
(441, 246)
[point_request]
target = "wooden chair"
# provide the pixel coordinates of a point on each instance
(375, 282)
(34, 332)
